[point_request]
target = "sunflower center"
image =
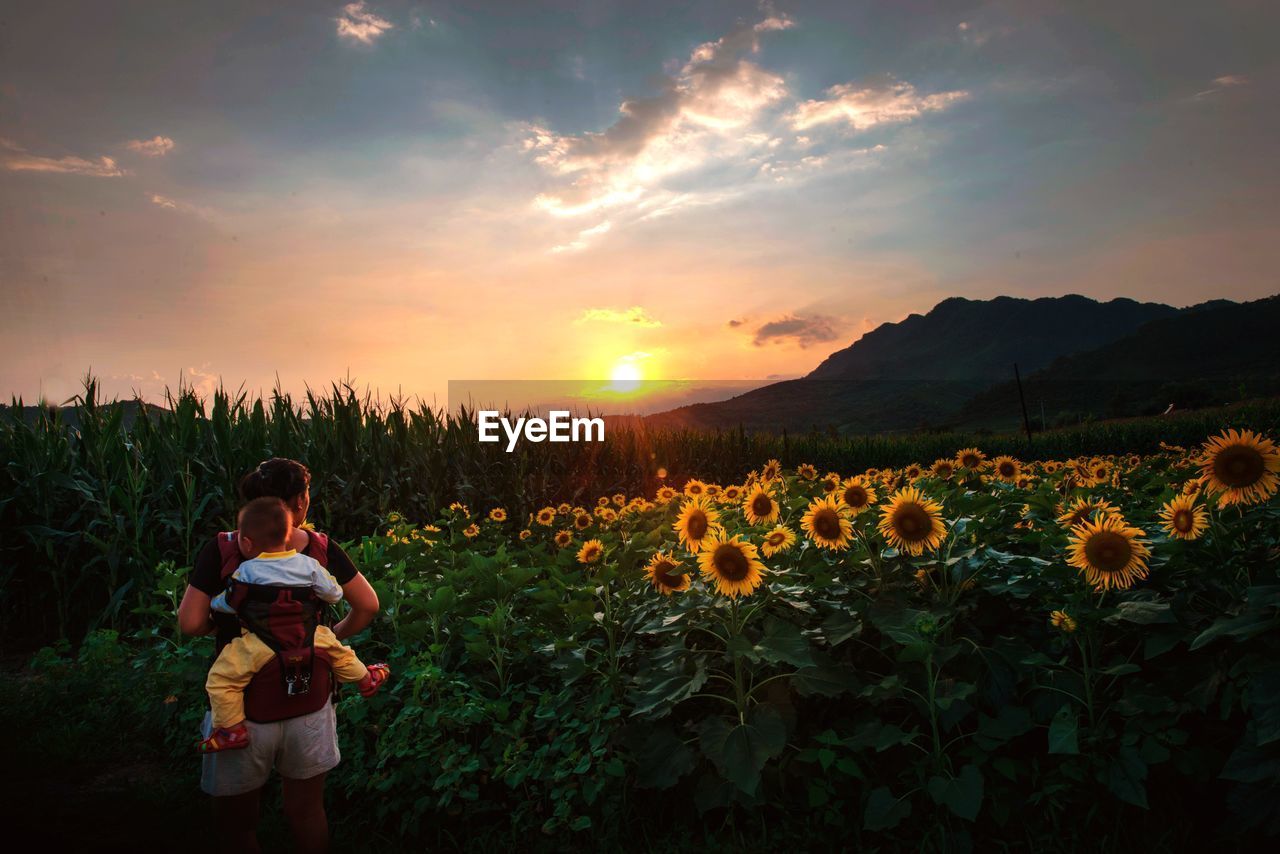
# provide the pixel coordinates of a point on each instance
(912, 523)
(1183, 521)
(762, 505)
(969, 461)
(855, 496)
(1007, 469)
(731, 563)
(663, 573)
(1108, 551)
(826, 524)
(776, 539)
(697, 525)
(1238, 466)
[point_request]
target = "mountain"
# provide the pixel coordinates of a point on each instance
(921, 371)
(967, 340)
(1204, 355)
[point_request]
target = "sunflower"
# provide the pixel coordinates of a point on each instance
(607, 514)
(857, 494)
(459, 507)
(546, 516)
(602, 501)
(1007, 469)
(526, 534)
(912, 522)
(1063, 621)
(714, 490)
(696, 522)
(1109, 552)
(582, 521)
(591, 551)
(943, 469)
(971, 459)
(663, 573)
(619, 500)
(759, 506)
(806, 471)
(498, 514)
(830, 482)
(1183, 519)
(1050, 467)
(827, 523)
(1025, 482)
(471, 531)
(693, 488)
(772, 470)
(665, 494)
(1242, 465)
(732, 564)
(779, 539)
(1084, 509)
(563, 509)
(563, 538)
(732, 494)
(913, 472)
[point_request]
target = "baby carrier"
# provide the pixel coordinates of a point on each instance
(297, 680)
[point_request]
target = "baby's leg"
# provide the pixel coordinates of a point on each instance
(342, 659)
(230, 674)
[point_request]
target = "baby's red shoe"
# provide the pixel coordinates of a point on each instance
(229, 738)
(377, 674)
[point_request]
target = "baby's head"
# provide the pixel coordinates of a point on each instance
(264, 526)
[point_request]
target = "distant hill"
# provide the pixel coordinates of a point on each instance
(921, 371)
(1205, 355)
(69, 414)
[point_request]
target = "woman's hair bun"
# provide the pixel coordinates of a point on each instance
(277, 477)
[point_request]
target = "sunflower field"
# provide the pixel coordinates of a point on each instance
(974, 651)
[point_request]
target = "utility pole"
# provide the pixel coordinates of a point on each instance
(1026, 419)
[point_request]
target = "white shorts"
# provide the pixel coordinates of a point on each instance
(299, 748)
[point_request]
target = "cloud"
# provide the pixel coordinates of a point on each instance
(1220, 84)
(19, 159)
(634, 316)
(157, 146)
(583, 239)
(802, 331)
(163, 201)
(698, 116)
(866, 105)
(357, 23)
(718, 128)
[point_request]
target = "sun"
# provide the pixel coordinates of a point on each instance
(625, 376)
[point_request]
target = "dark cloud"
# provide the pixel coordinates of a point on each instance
(802, 331)
(735, 323)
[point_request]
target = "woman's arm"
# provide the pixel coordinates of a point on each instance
(193, 613)
(364, 607)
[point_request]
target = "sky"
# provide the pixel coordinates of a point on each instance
(409, 193)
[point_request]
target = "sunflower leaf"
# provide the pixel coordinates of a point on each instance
(740, 751)
(1062, 731)
(962, 794)
(783, 642)
(884, 811)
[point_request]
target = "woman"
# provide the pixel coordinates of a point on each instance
(303, 749)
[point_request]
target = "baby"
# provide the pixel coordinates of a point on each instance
(264, 529)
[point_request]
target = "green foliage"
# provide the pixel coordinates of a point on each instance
(861, 695)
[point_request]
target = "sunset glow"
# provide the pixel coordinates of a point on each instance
(407, 198)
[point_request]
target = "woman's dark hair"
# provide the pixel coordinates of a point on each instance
(275, 478)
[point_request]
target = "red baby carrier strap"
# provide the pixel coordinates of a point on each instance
(297, 680)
